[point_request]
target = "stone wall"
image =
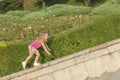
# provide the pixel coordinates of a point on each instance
(91, 62)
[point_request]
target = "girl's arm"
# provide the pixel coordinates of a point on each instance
(45, 48)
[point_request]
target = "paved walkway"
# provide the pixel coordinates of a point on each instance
(108, 76)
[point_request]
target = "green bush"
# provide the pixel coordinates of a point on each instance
(23, 24)
(29, 30)
(58, 10)
(97, 31)
(12, 17)
(18, 13)
(108, 7)
(7, 5)
(27, 16)
(7, 20)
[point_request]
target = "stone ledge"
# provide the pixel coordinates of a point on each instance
(107, 45)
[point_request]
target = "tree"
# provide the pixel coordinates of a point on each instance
(71, 2)
(44, 3)
(90, 2)
(28, 3)
(7, 5)
(87, 2)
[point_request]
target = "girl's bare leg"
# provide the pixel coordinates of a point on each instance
(36, 59)
(37, 56)
(28, 58)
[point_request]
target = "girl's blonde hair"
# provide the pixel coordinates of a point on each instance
(42, 34)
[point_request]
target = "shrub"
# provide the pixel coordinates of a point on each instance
(98, 31)
(7, 20)
(18, 13)
(58, 10)
(108, 7)
(29, 30)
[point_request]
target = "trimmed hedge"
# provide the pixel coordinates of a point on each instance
(97, 31)
(30, 30)
(26, 24)
(57, 10)
(108, 7)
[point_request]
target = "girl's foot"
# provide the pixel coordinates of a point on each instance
(36, 64)
(23, 64)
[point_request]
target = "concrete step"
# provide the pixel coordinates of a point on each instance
(108, 76)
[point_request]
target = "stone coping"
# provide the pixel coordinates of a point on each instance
(62, 59)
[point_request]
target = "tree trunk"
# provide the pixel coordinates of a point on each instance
(71, 2)
(87, 2)
(28, 3)
(43, 4)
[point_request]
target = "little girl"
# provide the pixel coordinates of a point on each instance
(41, 41)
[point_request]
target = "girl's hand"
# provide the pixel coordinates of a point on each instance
(49, 49)
(49, 53)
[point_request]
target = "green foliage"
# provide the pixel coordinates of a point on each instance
(7, 5)
(31, 30)
(12, 17)
(98, 31)
(3, 45)
(51, 2)
(108, 7)
(8, 19)
(18, 13)
(57, 10)
(96, 2)
(14, 51)
(26, 25)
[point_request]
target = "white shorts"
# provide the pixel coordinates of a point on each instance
(32, 50)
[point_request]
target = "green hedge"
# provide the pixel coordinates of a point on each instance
(30, 30)
(58, 10)
(18, 23)
(107, 8)
(18, 13)
(97, 31)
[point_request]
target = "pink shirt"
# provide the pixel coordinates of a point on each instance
(36, 44)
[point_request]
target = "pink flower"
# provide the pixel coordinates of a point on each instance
(20, 24)
(47, 20)
(24, 29)
(22, 35)
(14, 29)
(53, 15)
(33, 21)
(29, 27)
(80, 16)
(14, 24)
(4, 29)
(42, 18)
(72, 18)
(76, 16)
(43, 26)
